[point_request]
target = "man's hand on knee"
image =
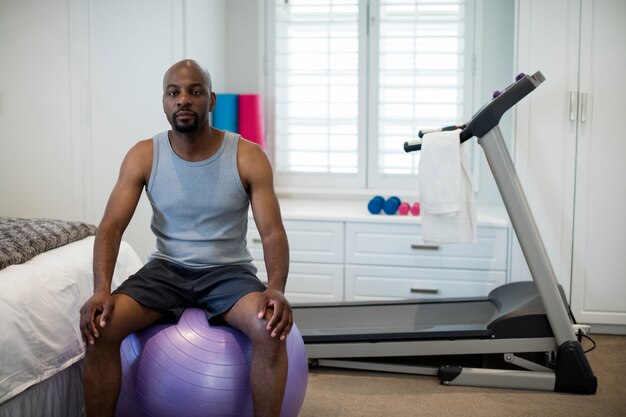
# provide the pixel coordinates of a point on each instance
(281, 320)
(98, 304)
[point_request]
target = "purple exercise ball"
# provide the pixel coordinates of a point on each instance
(194, 369)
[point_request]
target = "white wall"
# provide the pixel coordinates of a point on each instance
(245, 46)
(497, 52)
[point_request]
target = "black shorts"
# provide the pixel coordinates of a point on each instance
(170, 288)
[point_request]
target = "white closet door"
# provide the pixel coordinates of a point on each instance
(38, 175)
(599, 252)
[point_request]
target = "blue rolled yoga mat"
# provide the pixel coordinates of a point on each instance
(225, 113)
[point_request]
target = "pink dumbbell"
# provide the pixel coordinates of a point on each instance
(404, 209)
(415, 209)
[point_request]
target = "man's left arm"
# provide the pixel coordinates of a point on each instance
(266, 211)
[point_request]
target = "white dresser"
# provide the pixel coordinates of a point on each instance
(341, 252)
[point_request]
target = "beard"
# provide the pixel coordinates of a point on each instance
(185, 127)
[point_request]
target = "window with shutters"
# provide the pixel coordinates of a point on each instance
(351, 80)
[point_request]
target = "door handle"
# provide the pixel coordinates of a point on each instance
(583, 107)
(573, 105)
(424, 290)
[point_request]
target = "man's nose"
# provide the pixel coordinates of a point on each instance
(183, 99)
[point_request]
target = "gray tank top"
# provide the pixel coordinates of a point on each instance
(199, 209)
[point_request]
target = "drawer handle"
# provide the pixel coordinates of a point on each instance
(424, 290)
(424, 247)
(256, 240)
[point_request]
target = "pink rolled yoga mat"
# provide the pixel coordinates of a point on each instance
(250, 124)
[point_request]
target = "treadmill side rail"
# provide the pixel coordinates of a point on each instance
(428, 348)
(497, 378)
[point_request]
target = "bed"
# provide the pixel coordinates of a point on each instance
(45, 277)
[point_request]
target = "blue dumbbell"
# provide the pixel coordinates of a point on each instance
(391, 205)
(375, 205)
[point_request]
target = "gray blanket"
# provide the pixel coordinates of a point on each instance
(23, 239)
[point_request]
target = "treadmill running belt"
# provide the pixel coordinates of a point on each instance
(394, 322)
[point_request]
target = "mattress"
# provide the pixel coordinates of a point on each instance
(39, 309)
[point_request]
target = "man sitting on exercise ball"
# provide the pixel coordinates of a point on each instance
(200, 182)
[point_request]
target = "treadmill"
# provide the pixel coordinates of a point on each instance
(522, 335)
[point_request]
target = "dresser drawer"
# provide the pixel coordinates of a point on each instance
(391, 283)
(402, 245)
(309, 241)
(310, 283)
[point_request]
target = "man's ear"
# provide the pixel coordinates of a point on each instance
(213, 101)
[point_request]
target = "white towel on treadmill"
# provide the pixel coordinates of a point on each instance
(448, 207)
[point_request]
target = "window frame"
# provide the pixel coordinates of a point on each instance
(367, 180)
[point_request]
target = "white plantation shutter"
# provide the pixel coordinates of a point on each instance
(418, 79)
(317, 86)
(411, 56)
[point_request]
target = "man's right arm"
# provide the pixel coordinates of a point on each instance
(120, 208)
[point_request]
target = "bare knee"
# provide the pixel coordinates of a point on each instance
(128, 316)
(272, 348)
(243, 316)
(108, 338)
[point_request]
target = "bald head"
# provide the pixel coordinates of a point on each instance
(189, 65)
(187, 97)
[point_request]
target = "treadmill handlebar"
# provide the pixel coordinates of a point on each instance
(423, 132)
(416, 144)
(490, 114)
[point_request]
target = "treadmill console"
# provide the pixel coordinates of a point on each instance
(489, 115)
